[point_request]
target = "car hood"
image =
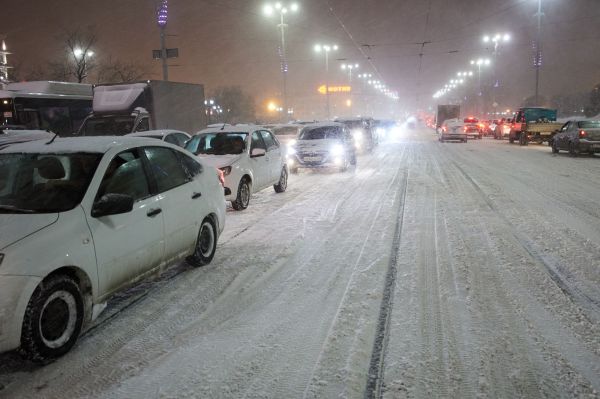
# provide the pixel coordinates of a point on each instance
(315, 145)
(219, 161)
(15, 227)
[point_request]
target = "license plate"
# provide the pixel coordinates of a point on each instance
(8, 114)
(595, 145)
(312, 159)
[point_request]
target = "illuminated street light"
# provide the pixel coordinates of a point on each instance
(326, 48)
(497, 39)
(282, 9)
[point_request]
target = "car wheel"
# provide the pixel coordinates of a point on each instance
(282, 183)
(555, 149)
(53, 319)
(206, 244)
(243, 195)
(572, 149)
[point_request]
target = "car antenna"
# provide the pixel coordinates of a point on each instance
(52, 139)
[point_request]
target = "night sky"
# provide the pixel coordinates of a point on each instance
(225, 42)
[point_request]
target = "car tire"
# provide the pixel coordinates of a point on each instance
(555, 149)
(572, 149)
(281, 185)
(242, 198)
(206, 244)
(53, 319)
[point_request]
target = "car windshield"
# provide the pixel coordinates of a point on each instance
(44, 183)
(322, 133)
(218, 143)
(108, 126)
(285, 131)
(589, 124)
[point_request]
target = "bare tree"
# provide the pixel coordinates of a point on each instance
(115, 71)
(80, 60)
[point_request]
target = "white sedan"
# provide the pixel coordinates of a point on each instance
(81, 218)
(250, 158)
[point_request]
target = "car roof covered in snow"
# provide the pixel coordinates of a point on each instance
(231, 129)
(97, 144)
(322, 124)
(155, 133)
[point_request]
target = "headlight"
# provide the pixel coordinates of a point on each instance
(292, 143)
(337, 150)
(358, 135)
(291, 150)
(226, 170)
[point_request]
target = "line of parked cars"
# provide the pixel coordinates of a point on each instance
(84, 217)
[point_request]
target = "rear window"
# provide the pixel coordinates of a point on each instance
(589, 124)
(322, 133)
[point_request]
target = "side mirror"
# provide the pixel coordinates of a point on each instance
(112, 204)
(258, 152)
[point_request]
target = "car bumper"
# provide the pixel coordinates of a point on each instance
(327, 161)
(454, 136)
(15, 292)
(589, 146)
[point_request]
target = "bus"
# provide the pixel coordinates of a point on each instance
(59, 107)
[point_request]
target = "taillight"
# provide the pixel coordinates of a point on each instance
(221, 177)
(444, 129)
(465, 129)
(582, 134)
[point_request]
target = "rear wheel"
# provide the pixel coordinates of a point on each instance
(206, 244)
(281, 185)
(53, 319)
(243, 195)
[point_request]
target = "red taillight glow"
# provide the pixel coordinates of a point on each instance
(582, 133)
(444, 128)
(221, 177)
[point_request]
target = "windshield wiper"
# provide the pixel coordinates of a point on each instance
(14, 209)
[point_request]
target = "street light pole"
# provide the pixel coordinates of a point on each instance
(326, 49)
(268, 10)
(538, 53)
(479, 63)
(496, 39)
(350, 68)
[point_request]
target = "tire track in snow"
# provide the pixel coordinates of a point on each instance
(590, 305)
(376, 366)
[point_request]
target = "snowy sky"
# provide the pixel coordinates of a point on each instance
(231, 42)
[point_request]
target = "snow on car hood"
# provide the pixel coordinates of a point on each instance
(316, 145)
(15, 227)
(219, 161)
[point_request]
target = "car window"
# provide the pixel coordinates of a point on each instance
(269, 141)
(125, 175)
(172, 139)
(143, 126)
(191, 166)
(181, 139)
(166, 168)
(257, 141)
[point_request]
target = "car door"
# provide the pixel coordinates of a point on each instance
(563, 134)
(181, 195)
(259, 164)
(131, 243)
(274, 156)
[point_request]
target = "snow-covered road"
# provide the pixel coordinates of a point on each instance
(444, 270)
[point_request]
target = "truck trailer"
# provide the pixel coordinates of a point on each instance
(120, 109)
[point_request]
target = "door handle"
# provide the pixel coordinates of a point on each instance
(196, 195)
(153, 212)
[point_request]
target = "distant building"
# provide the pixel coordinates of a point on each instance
(4, 63)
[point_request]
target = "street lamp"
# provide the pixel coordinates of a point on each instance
(537, 62)
(497, 39)
(480, 62)
(326, 49)
(282, 9)
(350, 68)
